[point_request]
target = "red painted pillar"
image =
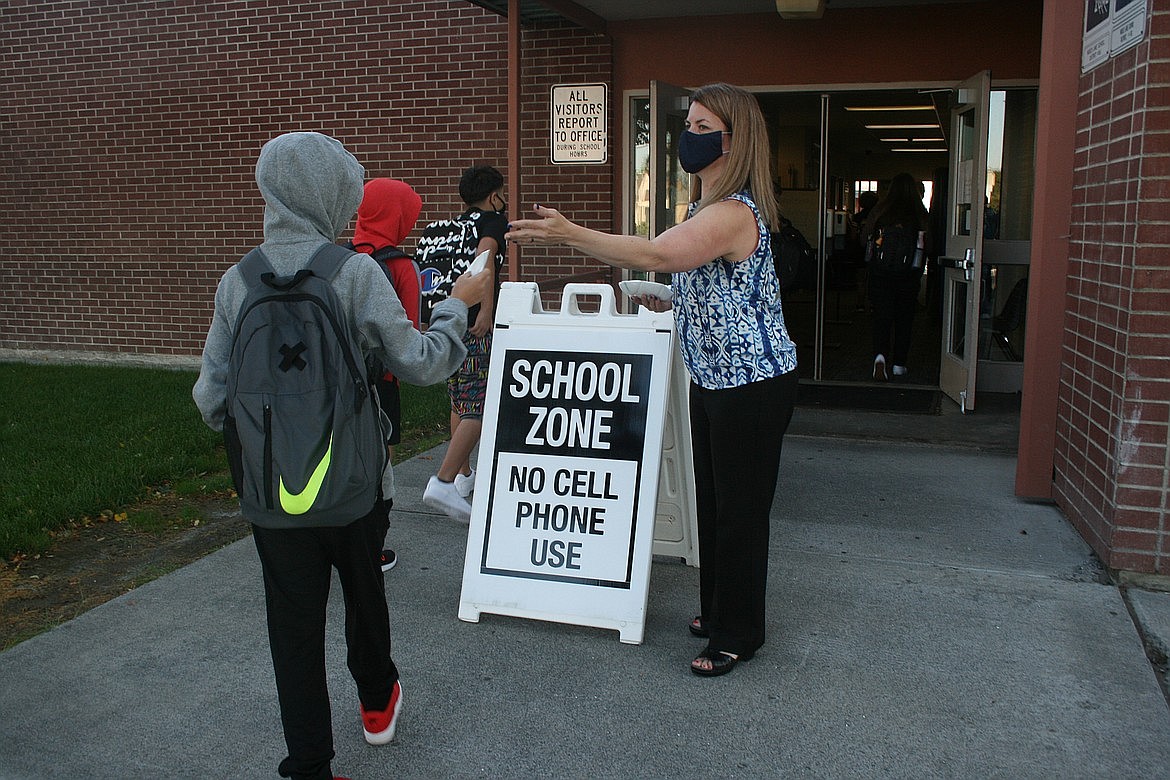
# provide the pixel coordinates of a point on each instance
(1060, 51)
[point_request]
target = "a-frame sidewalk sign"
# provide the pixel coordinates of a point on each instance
(567, 507)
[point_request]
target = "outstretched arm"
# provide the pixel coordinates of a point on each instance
(726, 229)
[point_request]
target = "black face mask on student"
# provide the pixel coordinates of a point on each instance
(698, 150)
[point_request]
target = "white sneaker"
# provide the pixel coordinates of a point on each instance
(444, 497)
(900, 370)
(465, 483)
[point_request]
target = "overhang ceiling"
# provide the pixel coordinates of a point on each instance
(851, 130)
(536, 12)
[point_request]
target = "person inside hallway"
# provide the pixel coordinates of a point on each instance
(893, 294)
(937, 216)
(855, 239)
(865, 203)
(736, 348)
(387, 214)
(855, 236)
(311, 188)
(482, 189)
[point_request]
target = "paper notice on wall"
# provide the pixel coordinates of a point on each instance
(966, 181)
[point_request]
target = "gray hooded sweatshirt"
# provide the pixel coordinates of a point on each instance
(312, 188)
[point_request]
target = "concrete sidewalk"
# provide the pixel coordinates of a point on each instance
(923, 623)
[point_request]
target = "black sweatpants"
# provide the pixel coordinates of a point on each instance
(298, 566)
(895, 302)
(737, 435)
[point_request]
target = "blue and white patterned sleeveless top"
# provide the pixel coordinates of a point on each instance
(728, 316)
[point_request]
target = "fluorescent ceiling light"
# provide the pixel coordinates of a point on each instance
(903, 127)
(917, 149)
(800, 9)
(889, 108)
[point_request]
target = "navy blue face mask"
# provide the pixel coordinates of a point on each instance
(698, 150)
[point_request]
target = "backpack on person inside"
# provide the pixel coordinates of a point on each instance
(791, 254)
(303, 429)
(383, 257)
(445, 250)
(894, 250)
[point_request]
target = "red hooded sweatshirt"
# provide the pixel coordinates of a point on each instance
(388, 212)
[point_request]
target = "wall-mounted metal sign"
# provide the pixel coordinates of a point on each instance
(579, 124)
(1111, 27)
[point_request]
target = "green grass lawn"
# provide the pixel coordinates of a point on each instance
(77, 441)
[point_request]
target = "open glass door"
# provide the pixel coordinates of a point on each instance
(676, 524)
(669, 183)
(963, 261)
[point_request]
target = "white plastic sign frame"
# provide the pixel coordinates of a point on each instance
(564, 510)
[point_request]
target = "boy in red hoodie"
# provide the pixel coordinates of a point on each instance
(388, 213)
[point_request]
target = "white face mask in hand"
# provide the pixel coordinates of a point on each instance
(479, 263)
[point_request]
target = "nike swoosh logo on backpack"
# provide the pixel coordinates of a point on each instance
(299, 503)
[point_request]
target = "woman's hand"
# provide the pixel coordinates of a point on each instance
(551, 228)
(651, 302)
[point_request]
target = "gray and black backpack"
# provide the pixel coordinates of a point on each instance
(303, 429)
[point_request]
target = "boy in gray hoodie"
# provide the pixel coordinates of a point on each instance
(312, 188)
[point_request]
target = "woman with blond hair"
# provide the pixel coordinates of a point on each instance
(741, 361)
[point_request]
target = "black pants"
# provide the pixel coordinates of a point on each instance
(298, 566)
(894, 300)
(737, 435)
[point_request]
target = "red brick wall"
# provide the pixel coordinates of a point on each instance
(1113, 432)
(582, 192)
(129, 132)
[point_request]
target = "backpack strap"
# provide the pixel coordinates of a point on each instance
(327, 260)
(253, 266)
(472, 225)
(388, 253)
(324, 264)
(256, 269)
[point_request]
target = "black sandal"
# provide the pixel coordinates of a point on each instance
(721, 662)
(697, 628)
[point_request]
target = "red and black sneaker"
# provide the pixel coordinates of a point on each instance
(379, 725)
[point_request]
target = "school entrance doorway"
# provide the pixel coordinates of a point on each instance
(973, 155)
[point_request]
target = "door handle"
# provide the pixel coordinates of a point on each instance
(966, 263)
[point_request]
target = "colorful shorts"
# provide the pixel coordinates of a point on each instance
(467, 387)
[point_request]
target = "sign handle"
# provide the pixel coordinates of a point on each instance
(572, 292)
